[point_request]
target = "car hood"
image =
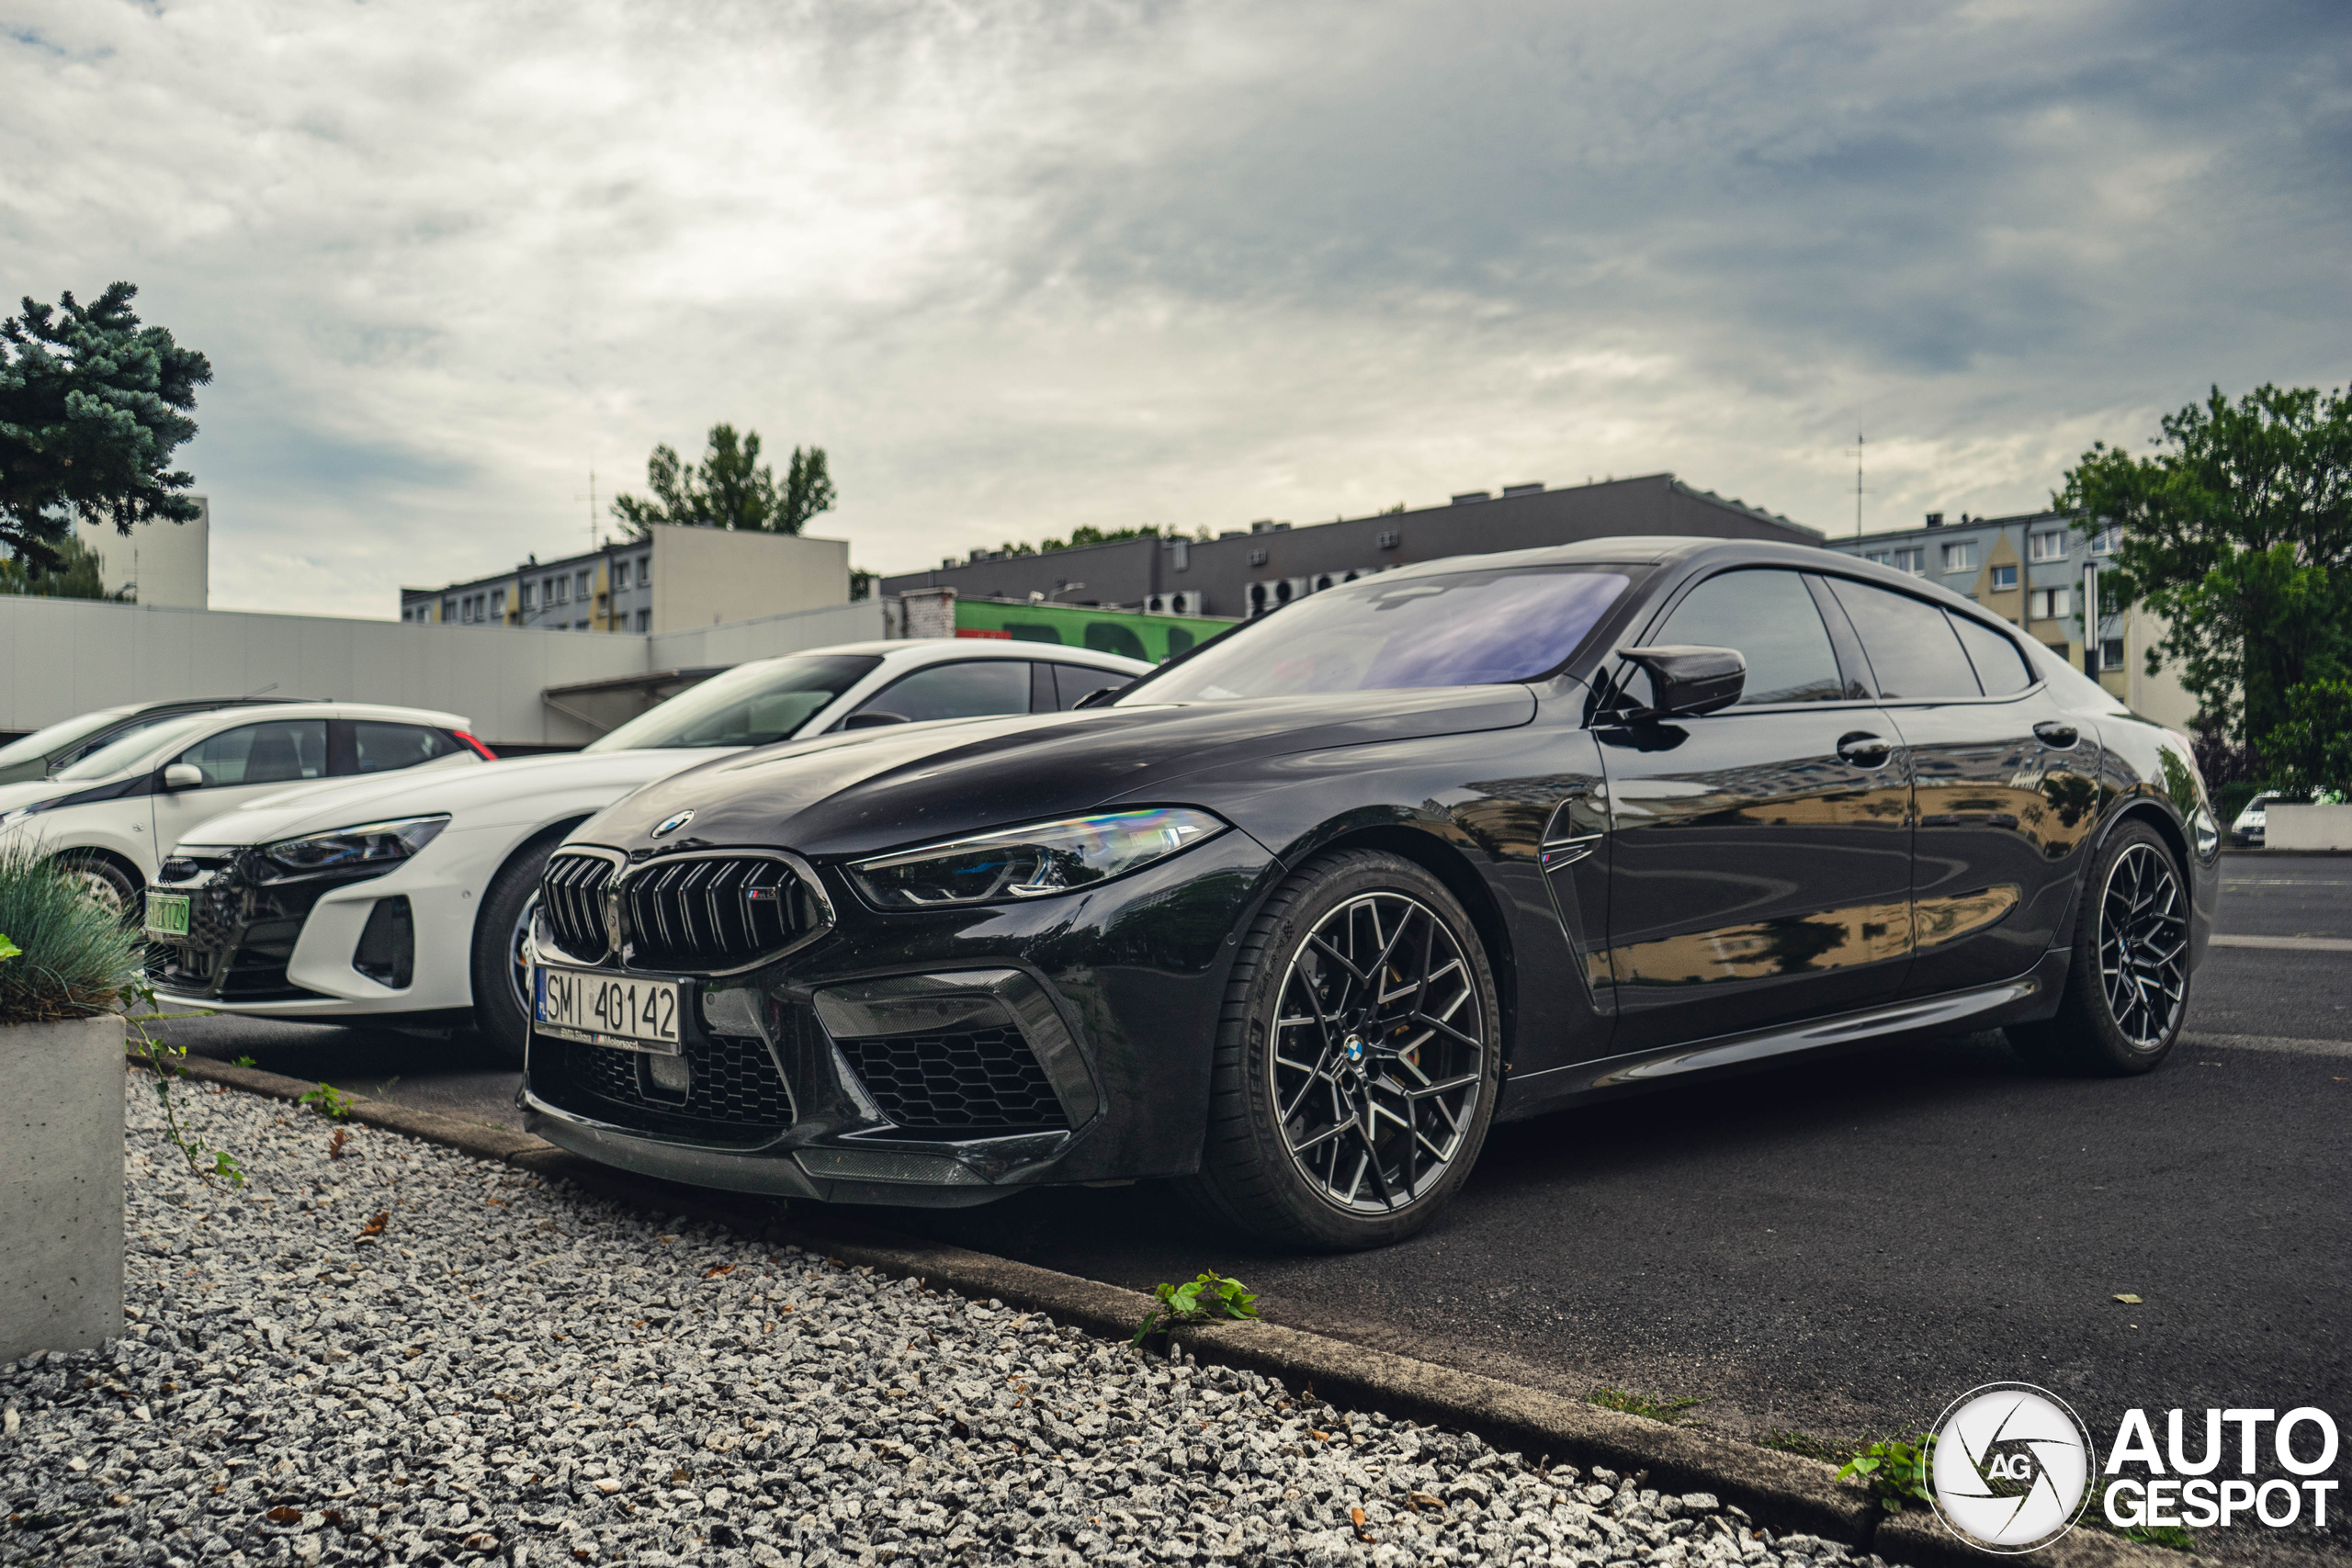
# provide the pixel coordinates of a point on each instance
(867, 791)
(32, 792)
(314, 808)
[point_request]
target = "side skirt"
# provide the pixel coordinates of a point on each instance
(2033, 994)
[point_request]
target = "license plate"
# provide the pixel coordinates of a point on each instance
(607, 1010)
(167, 914)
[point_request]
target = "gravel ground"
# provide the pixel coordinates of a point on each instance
(401, 1354)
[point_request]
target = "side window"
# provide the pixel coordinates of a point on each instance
(1770, 617)
(381, 747)
(1074, 681)
(1912, 649)
(2000, 665)
(287, 752)
(965, 690)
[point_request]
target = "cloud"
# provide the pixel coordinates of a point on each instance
(1021, 267)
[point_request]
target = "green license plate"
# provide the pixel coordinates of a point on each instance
(167, 914)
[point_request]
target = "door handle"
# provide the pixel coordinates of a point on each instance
(2053, 734)
(1865, 750)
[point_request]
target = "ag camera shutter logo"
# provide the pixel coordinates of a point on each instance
(2011, 1469)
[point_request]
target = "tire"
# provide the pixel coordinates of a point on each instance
(501, 1015)
(2127, 990)
(107, 882)
(1266, 1170)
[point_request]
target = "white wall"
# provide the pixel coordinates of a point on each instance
(171, 562)
(705, 576)
(62, 656)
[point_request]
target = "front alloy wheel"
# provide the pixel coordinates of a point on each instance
(1378, 1054)
(1357, 1060)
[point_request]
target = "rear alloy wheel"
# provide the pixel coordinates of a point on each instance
(2127, 990)
(108, 886)
(1358, 1065)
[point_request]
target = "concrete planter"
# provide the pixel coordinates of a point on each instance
(60, 1185)
(2307, 826)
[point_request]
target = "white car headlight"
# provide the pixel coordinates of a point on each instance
(370, 843)
(1031, 862)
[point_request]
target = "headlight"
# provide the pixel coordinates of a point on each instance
(1030, 862)
(371, 841)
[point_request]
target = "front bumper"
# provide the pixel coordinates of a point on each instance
(931, 1060)
(270, 944)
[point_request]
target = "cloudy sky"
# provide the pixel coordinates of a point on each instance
(1020, 266)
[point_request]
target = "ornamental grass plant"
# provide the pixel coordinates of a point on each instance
(72, 958)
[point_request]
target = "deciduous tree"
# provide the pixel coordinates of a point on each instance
(2238, 531)
(730, 488)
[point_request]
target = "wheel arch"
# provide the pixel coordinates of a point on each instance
(2140, 808)
(553, 830)
(1449, 865)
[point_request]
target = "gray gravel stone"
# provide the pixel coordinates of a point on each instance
(502, 1370)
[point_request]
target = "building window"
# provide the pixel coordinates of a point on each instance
(558, 591)
(523, 597)
(2103, 543)
(498, 604)
(2051, 603)
(2005, 579)
(645, 620)
(645, 572)
(2111, 653)
(620, 575)
(448, 609)
(1879, 558)
(1913, 560)
(1960, 557)
(2046, 546)
(584, 582)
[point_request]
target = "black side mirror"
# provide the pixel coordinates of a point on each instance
(1689, 680)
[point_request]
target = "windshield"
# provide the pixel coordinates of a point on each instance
(1464, 628)
(749, 706)
(58, 736)
(114, 757)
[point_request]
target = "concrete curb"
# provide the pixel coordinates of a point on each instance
(1781, 1491)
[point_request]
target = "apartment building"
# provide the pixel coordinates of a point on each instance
(2030, 569)
(672, 578)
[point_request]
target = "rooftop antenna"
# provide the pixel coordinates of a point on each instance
(591, 505)
(1858, 487)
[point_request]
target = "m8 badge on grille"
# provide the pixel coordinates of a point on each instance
(622, 1011)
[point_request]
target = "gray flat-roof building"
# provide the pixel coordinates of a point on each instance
(1246, 571)
(672, 579)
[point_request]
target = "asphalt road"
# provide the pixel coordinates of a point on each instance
(1837, 1248)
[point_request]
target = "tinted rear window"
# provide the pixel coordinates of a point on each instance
(2000, 664)
(1911, 646)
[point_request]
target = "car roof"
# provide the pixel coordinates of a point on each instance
(924, 649)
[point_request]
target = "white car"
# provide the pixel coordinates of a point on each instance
(406, 901)
(2254, 822)
(105, 814)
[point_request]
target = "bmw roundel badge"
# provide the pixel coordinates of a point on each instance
(672, 823)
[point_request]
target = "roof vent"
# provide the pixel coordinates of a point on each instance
(948, 563)
(1467, 496)
(1509, 491)
(1935, 519)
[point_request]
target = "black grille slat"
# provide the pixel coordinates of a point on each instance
(572, 894)
(712, 912)
(986, 1081)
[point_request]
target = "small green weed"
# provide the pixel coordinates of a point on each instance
(1669, 1411)
(330, 1101)
(244, 1062)
(9, 948)
(1210, 1297)
(1895, 1471)
(1804, 1445)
